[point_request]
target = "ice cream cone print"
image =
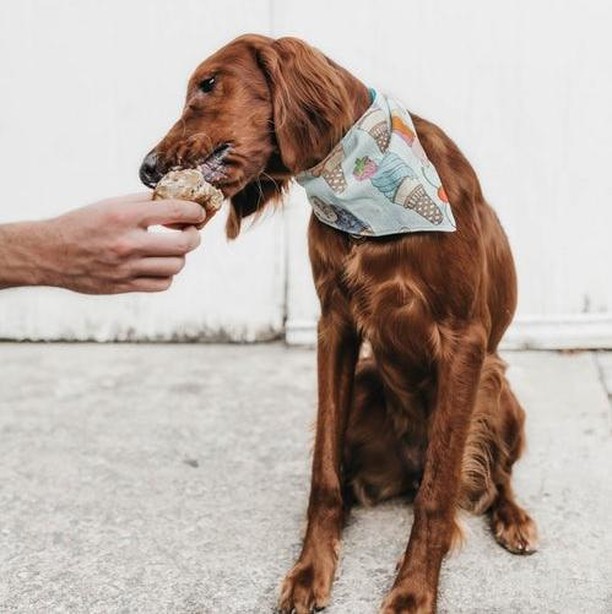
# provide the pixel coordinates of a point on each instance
(331, 170)
(431, 176)
(399, 183)
(391, 172)
(417, 199)
(374, 122)
(401, 128)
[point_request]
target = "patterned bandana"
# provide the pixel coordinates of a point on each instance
(377, 180)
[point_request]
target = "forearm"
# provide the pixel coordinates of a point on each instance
(25, 257)
(104, 248)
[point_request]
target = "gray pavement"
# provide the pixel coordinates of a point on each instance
(174, 478)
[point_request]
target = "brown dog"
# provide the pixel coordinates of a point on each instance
(431, 413)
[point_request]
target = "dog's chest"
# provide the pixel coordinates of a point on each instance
(370, 280)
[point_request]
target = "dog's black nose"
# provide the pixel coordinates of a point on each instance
(149, 170)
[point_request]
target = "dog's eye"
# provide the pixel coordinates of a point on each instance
(207, 85)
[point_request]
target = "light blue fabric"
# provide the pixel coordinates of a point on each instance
(378, 180)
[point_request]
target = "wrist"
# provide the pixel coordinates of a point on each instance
(27, 257)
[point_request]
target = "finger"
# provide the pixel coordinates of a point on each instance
(173, 211)
(136, 197)
(208, 216)
(199, 226)
(170, 243)
(159, 267)
(148, 284)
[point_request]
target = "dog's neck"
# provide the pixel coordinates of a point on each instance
(361, 99)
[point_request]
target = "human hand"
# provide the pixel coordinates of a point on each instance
(105, 248)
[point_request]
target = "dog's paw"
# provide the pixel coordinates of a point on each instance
(307, 587)
(408, 600)
(515, 530)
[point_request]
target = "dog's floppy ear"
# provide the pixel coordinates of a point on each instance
(271, 185)
(311, 102)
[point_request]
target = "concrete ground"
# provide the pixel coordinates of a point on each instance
(166, 478)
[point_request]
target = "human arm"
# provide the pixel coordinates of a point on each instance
(104, 248)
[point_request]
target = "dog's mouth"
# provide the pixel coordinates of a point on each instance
(213, 166)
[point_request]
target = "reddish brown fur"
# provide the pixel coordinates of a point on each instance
(431, 414)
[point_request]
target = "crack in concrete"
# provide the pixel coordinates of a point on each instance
(604, 380)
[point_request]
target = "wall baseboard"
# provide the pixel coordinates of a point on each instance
(564, 332)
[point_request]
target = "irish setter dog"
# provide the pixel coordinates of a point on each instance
(430, 415)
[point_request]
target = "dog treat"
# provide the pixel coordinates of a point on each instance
(189, 184)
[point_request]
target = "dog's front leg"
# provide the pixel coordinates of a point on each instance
(308, 584)
(459, 369)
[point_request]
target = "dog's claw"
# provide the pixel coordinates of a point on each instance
(307, 587)
(515, 530)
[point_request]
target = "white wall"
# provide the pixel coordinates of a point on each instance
(523, 87)
(88, 87)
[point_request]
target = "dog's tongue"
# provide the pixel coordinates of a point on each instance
(211, 168)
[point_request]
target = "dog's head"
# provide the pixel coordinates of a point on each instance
(257, 111)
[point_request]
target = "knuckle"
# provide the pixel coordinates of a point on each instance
(118, 274)
(122, 248)
(117, 216)
(176, 210)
